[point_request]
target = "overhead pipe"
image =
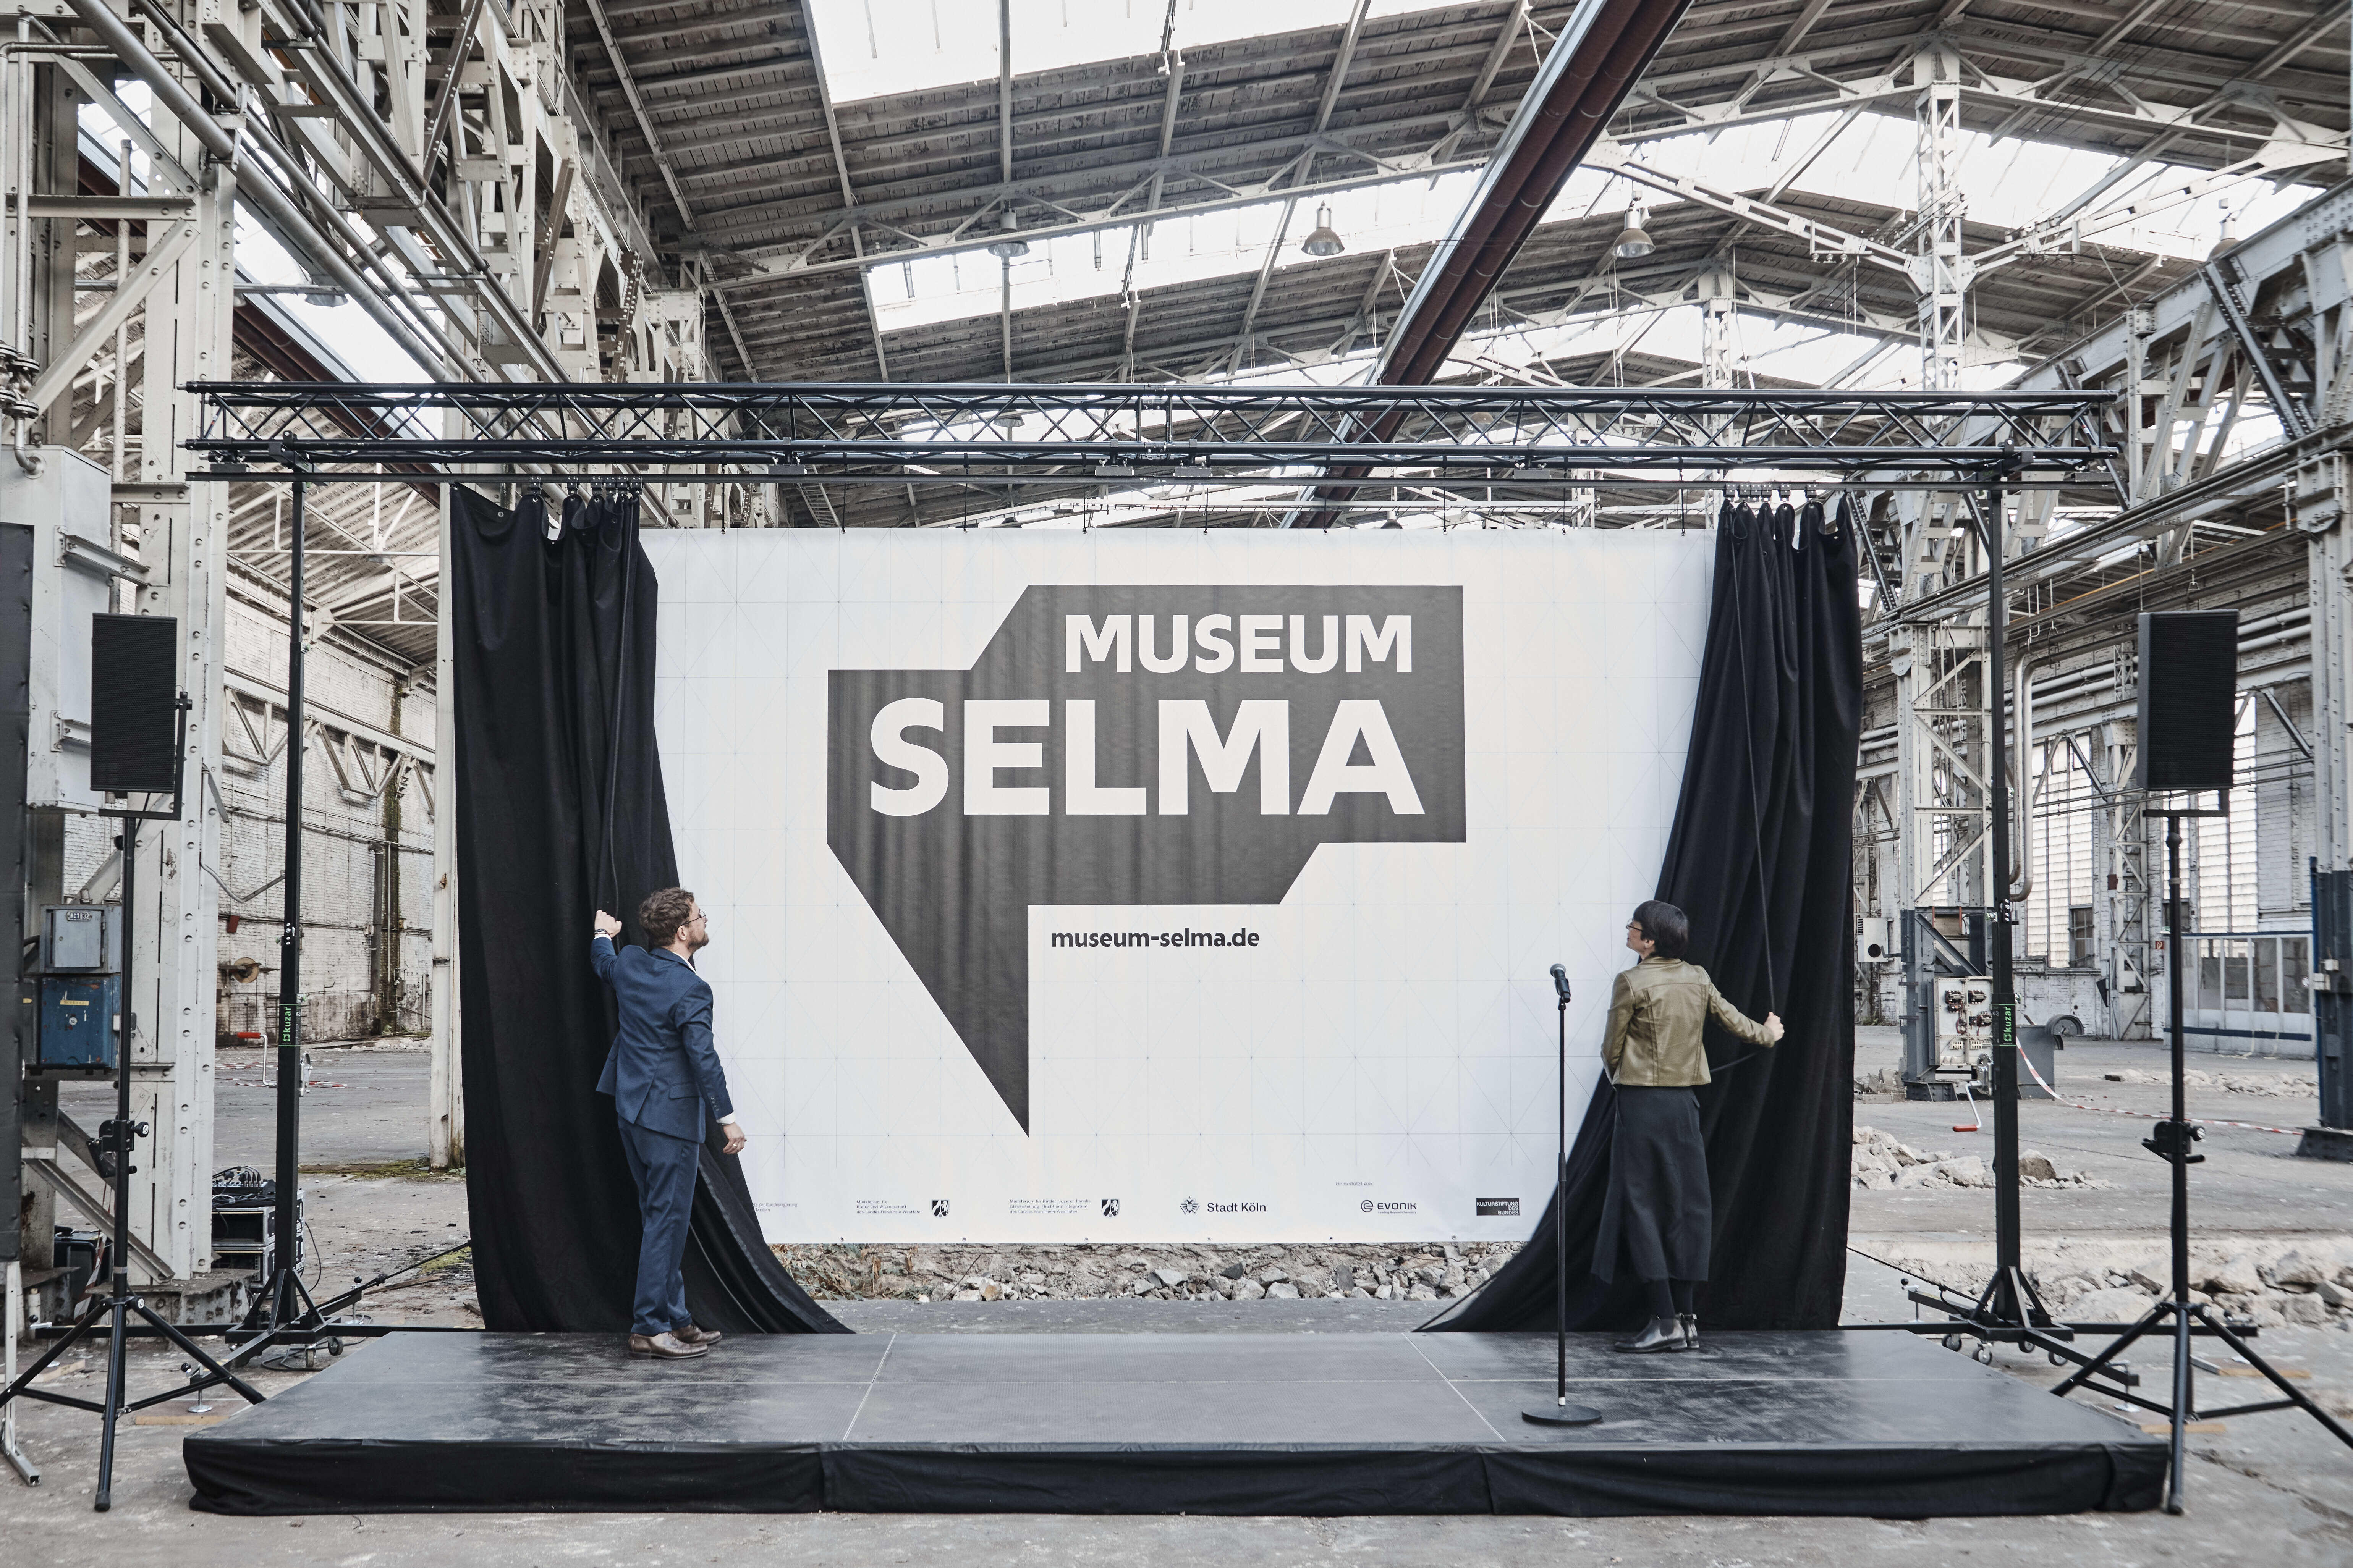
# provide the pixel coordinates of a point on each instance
(221, 142)
(1600, 53)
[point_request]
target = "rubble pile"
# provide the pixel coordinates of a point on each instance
(1410, 1271)
(2270, 1283)
(1881, 1161)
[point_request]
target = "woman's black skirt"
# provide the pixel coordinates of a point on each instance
(1657, 1208)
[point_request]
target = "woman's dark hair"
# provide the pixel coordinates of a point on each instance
(1665, 925)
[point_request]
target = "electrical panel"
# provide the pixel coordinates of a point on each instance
(1963, 1019)
(79, 939)
(78, 1020)
(1877, 943)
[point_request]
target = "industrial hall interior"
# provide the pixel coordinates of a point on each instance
(1140, 779)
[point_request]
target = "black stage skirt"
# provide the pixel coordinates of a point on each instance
(1657, 1208)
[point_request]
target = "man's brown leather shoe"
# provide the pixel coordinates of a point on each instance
(665, 1347)
(688, 1334)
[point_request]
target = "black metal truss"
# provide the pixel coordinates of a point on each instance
(733, 431)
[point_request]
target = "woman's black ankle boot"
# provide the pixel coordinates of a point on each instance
(1658, 1334)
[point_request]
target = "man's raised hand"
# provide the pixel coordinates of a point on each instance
(606, 925)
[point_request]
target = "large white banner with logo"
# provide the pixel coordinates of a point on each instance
(1153, 885)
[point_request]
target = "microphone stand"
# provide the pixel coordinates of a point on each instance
(1560, 1412)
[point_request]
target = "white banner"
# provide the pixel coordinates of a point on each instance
(1154, 885)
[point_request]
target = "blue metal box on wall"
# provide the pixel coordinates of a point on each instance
(78, 1020)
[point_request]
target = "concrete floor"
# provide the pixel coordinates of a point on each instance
(2273, 1489)
(364, 1105)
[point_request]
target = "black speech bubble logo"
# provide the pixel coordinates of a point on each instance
(954, 820)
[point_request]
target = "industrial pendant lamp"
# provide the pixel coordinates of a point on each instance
(2228, 238)
(1012, 245)
(1634, 241)
(1325, 240)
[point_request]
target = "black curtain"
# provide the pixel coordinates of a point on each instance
(560, 811)
(1759, 859)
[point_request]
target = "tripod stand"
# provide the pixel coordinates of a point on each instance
(117, 1140)
(1560, 1412)
(282, 1309)
(2170, 1143)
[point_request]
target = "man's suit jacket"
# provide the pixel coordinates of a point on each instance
(662, 1072)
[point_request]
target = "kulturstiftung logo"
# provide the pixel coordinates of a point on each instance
(939, 1208)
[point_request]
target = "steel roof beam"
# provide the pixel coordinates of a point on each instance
(1332, 83)
(637, 109)
(970, 240)
(1580, 87)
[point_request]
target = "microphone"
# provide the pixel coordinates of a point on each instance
(1560, 980)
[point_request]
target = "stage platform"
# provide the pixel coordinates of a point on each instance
(1832, 1423)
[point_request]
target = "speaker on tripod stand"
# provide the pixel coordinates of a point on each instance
(138, 733)
(2188, 745)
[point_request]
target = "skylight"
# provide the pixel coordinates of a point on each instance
(873, 47)
(948, 286)
(2008, 185)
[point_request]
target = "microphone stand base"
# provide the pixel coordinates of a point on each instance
(1561, 1415)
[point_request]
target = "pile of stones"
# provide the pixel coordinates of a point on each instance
(1413, 1272)
(2306, 1281)
(1880, 1161)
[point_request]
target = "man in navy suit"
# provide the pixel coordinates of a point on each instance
(667, 1085)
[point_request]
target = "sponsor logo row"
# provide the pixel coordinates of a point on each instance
(1487, 1208)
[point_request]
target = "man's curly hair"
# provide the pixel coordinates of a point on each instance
(663, 913)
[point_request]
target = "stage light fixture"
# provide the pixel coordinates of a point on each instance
(1325, 240)
(1011, 246)
(1634, 241)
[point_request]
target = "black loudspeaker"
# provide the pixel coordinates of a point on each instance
(2188, 698)
(134, 695)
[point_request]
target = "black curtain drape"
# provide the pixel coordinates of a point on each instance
(1759, 859)
(558, 792)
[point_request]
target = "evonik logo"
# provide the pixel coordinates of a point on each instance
(1136, 745)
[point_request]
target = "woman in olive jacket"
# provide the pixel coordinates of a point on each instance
(1656, 1209)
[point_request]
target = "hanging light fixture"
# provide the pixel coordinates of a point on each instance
(1634, 241)
(2228, 238)
(1012, 245)
(1325, 239)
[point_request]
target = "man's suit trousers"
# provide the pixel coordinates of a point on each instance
(663, 1168)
